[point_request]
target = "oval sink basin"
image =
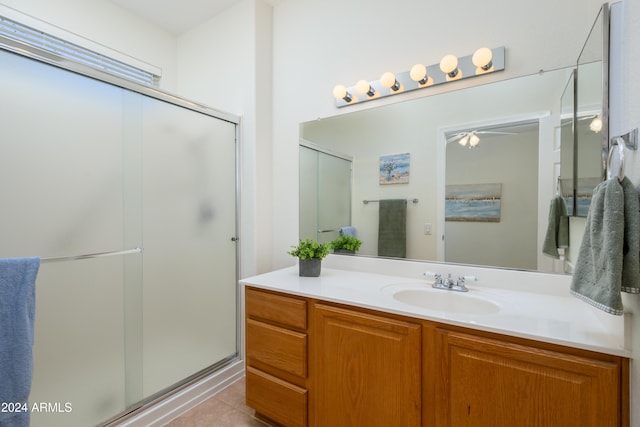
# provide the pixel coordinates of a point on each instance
(447, 301)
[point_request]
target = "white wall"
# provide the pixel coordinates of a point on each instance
(226, 63)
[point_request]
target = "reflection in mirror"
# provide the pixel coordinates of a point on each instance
(565, 176)
(420, 128)
(325, 192)
(592, 112)
(490, 198)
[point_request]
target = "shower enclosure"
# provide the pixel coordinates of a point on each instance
(147, 181)
(325, 192)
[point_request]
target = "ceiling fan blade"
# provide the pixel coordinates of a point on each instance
(496, 133)
(456, 136)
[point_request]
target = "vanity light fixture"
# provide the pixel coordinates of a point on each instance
(389, 81)
(364, 87)
(451, 68)
(482, 59)
(419, 74)
(340, 92)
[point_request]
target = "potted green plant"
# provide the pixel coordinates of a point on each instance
(310, 254)
(346, 245)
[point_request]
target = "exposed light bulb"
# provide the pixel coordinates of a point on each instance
(482, 58)
(449, 65)
(463, 141)
(340, 92)
(418, 73)
(596, 124)
(364, 86)
(388, 80)
(473, 140)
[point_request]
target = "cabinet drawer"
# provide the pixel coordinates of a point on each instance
(281, 348)
(286, 311)
(274, 398)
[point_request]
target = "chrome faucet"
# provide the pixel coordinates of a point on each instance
(449, 283)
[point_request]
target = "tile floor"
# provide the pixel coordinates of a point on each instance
(225, 409)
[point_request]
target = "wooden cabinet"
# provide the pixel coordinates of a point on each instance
(367, 369)
(489, 382)
(321, 364)
(277, 357)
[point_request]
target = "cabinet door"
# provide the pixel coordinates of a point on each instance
(484, 382)
(367, 370)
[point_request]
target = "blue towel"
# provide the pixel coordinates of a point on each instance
(17, 313)
(348, 231)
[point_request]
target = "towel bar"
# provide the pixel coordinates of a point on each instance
(630, 139)
(94, 255)
(376, 201)
(617, 142)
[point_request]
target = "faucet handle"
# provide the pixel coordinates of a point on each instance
(460, 286)
(437, 277)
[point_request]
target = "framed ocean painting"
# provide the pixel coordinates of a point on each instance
(394, 169)
(473, 202)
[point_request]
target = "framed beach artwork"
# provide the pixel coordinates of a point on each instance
(394, 169)
(473, 202)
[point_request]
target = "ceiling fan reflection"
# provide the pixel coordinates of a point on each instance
(471, 139)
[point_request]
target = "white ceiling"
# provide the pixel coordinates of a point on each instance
(177, 16)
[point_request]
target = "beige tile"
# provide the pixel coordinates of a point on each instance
(237, 418)
(234, 395)
(203, 415)
(227, 408)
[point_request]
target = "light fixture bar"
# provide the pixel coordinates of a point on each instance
(404, 83)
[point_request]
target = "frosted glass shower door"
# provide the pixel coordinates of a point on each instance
(325, 194)
(61, 161)
(189, 220)
(334, 196)
(88, 167)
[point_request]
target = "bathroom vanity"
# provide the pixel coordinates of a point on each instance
(359, 346)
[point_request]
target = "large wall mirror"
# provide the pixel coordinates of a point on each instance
(498, 143)
(517, 122)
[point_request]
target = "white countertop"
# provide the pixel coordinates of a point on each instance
(535, 313)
